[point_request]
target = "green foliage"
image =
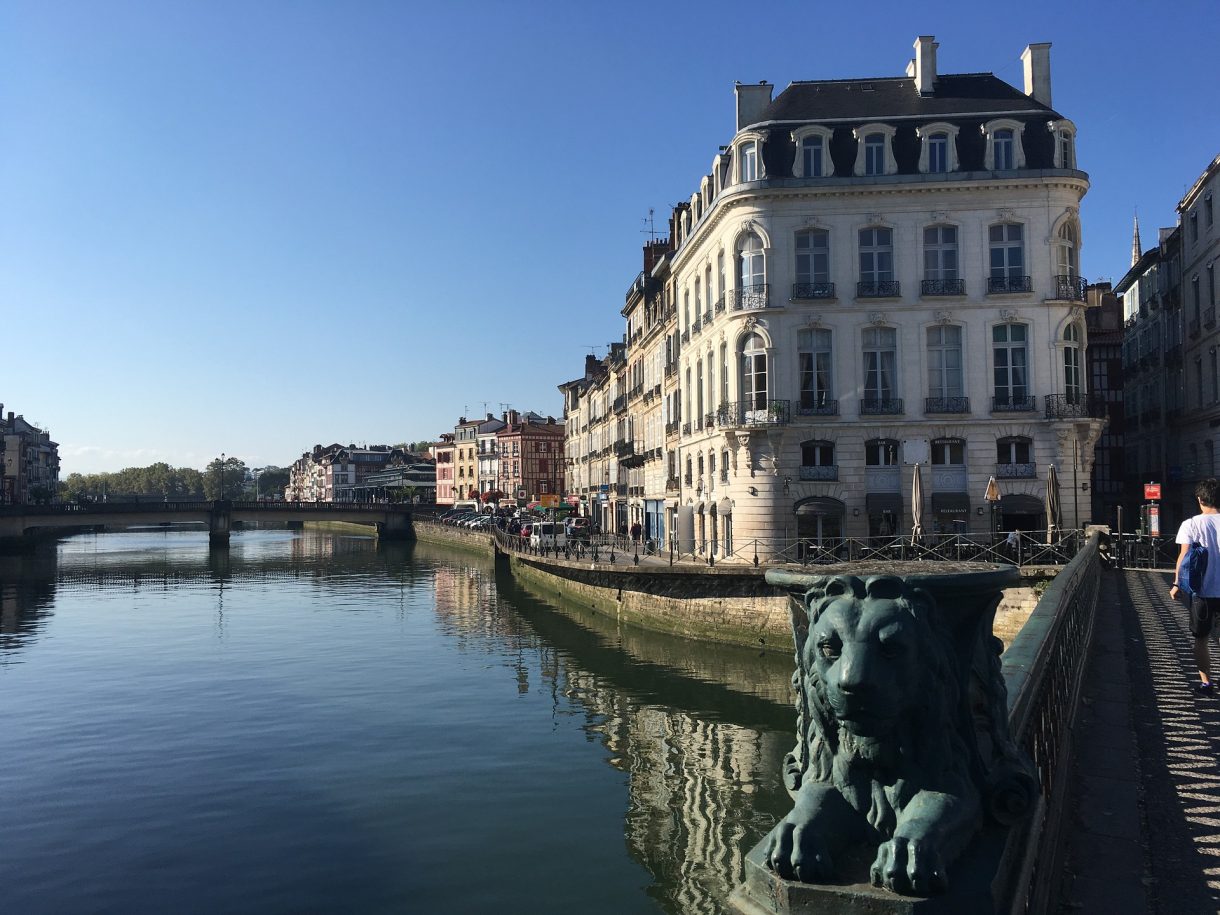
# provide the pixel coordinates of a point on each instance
(155, 481)
(272, 481)
(225, 480)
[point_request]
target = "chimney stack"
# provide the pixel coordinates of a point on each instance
(1037, 61)
(752, 101)
(925, 63)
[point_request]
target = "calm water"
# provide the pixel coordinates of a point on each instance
(311, 723)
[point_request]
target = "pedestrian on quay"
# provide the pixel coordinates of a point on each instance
(1203, 528)
(636, 531)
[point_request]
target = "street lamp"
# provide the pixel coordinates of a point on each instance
(992, 496)
(222, 475)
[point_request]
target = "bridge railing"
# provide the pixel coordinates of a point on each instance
(1044, 670)
(161, 507)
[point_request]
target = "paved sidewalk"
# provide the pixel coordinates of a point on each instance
(1144, 824)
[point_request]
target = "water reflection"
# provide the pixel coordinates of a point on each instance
(380, 724)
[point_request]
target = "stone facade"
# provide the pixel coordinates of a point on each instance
(29, 462)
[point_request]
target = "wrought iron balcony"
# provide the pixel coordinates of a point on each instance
(1016, 471)
(697, 326)
(880, 406)
(748, 298)
(946, 405)
(686, 335)
(878, 289)
(710, 420)
(818, 406)
(748, 413)
(942, 287)
(1014, 403)
(1070, 288)
(1209, 317)
(671, 369)
(724, 474)
(671, 484)
(687, 480)
(671, 428)
(620, 404)
(707, 315)
(719, 305)
(813, 290)
(1074, 406)
(624, 449)
(686, 428)
(820, 472)
(1001, 284)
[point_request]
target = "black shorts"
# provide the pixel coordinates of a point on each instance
(1203, 611)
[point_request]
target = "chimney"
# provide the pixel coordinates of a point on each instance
(925, 63)
(1037, 61)
(752, 101)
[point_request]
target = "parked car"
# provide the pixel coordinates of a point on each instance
(577, 529)
(527, 528)
(548, 535)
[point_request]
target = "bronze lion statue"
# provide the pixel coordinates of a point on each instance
(890, 751)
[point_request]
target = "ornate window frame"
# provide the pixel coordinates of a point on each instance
(1063, 130)
(989, 130)
(739, 144)
(925, 133)
(798, 137)
(862, 134)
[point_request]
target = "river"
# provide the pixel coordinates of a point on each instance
(311, 722)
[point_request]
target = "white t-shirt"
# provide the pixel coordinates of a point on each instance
(1205, 529)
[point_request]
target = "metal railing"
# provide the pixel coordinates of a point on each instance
(750, 297)
(1002, 284)
(1014, 403)
(1074, 406)
(819, 472)
(879, 406)
(1044, 669)
(878, 289)
(946, 405)
(818, 407)
(942, 287)
(749, 413)
(1021, 471)
(1070, 288)
(813, 290)
(719, 308)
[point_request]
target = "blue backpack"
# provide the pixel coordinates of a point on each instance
(1193, 569)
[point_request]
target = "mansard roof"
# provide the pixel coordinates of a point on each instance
(954, 95)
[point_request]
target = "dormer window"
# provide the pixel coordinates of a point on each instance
(1064, 132)
(874, 151)
(938, 153)
(1004, 150)
(812, 153)
(747, 157)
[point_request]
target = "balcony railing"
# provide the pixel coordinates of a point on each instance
(671, 484)
(686, 428)
(1070, 288)
(1014, 403)
(880, 406)
(820, 472)
(1209, 317)
(724, 474)
(719, 309)
(1016, 471)
(748, 298)
(1074, 406)
(813, 290)
(748, 413)
(620, 403)
(671, 369)
(686, 335)
(710, 420)
(946, 405)
(878, 289)
(818, 407)
(671, 428)
(1002, 284)
(697, 326)
(707, 315)
(624, 449)
(687, 480)
(942, 287)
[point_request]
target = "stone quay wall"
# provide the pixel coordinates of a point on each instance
(476, 541)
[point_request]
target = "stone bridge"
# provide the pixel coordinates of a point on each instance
(17, 522)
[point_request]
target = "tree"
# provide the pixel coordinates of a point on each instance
(272, 481)
(224, 480)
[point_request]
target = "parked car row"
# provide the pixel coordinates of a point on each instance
(539, 534)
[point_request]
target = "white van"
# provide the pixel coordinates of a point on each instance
(548, 535)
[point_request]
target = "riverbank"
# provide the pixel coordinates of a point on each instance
(729, 603)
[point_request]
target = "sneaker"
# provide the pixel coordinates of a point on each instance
(1201, 688)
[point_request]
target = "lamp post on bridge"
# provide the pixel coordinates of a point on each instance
(222, 476)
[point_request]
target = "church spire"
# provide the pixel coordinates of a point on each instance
(1136, 248)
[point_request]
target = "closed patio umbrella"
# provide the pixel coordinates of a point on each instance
(916, 505)
(1054, 517)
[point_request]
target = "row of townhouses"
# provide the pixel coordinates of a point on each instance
(874, 274)
(1169, 361)
(29, 461)
(351, 473)
(515, 458)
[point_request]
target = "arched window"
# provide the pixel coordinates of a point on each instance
(724, 374)
(1073, 384)
(754, 392)
(1067, 263)
(813, 155)
(874, 154)
(751, 274)
(699, 395)
(1004, 148)
(747, 155)
(938, 153)
(1004, 151)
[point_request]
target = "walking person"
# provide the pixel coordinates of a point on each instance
(1203, 528)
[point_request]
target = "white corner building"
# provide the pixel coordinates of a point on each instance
(876, 273)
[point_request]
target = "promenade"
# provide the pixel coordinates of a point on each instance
(1143, 834)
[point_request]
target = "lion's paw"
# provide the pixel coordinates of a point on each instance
(796, 852)
(911, 867)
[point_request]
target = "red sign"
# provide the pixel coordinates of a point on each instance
(1152, 491)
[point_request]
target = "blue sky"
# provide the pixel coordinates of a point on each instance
(252, 227)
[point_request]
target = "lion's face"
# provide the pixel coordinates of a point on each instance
(866, 657)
